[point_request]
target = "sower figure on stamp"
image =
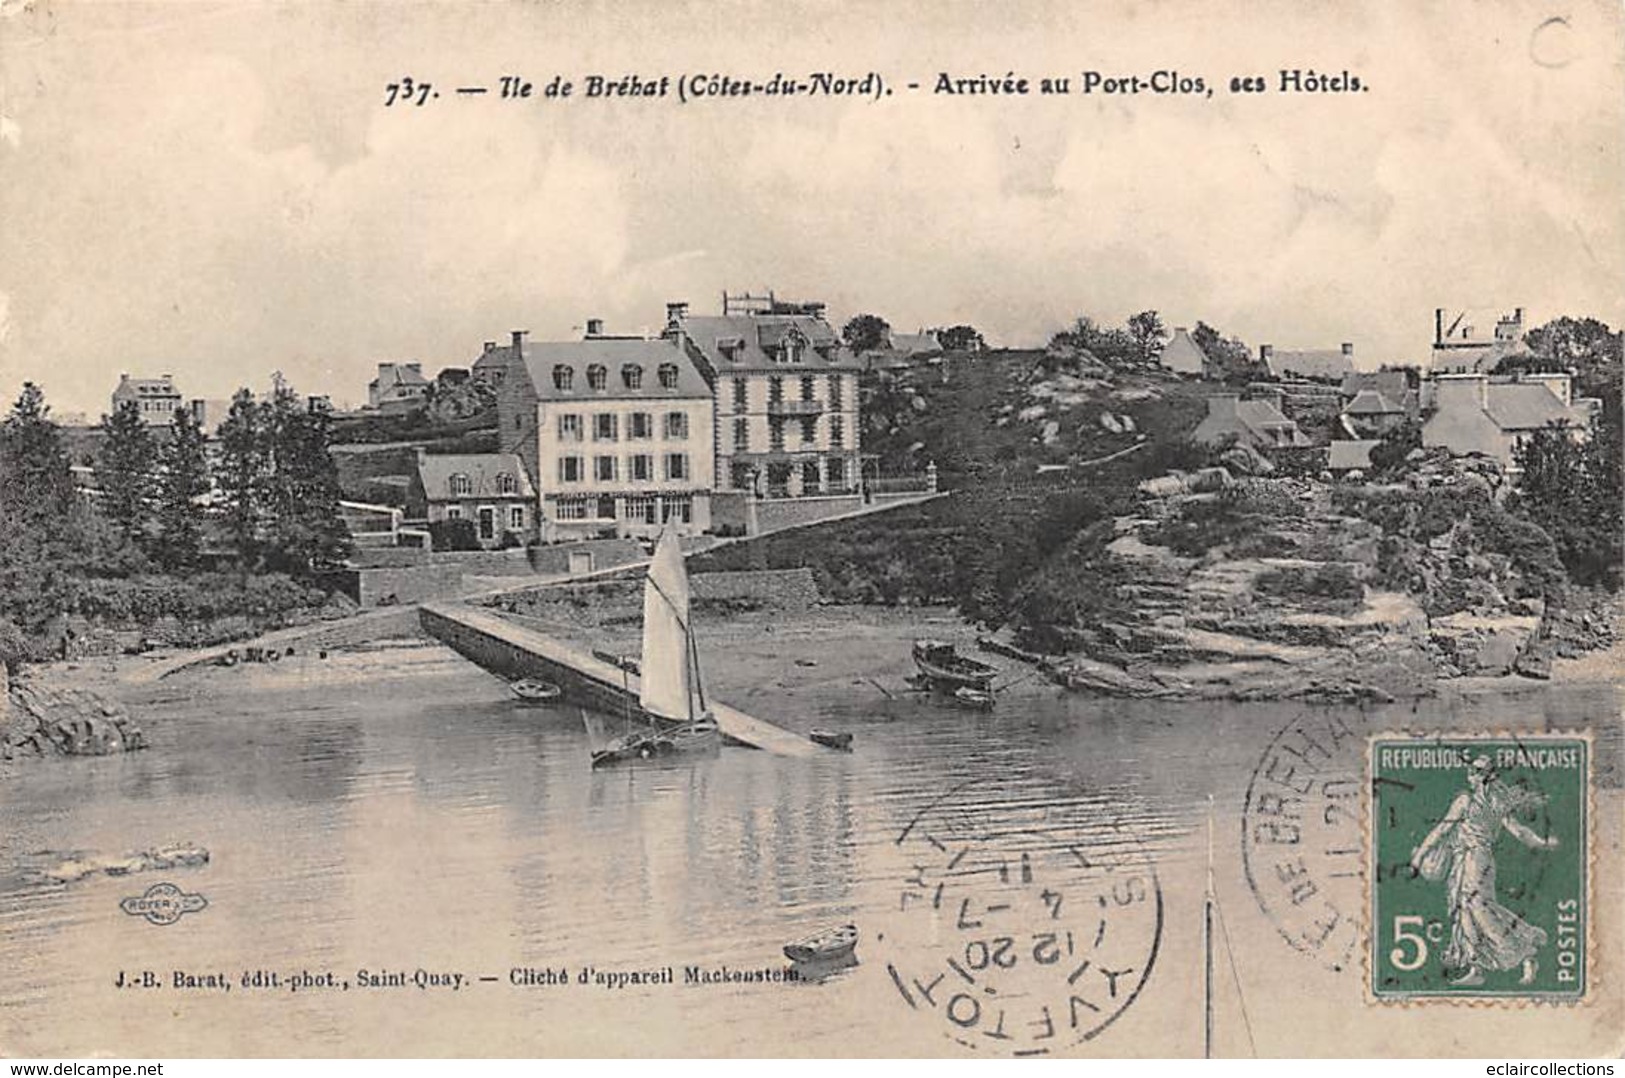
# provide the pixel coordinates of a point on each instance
(1484, 935)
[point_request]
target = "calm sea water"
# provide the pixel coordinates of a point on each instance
(392, 811)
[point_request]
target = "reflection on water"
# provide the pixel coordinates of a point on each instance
(395, 811)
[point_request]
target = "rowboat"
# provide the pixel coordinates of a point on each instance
(830, 739)
(535, 691)
(828, 946)
(946, 668)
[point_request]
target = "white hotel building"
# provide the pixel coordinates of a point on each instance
(616, 433)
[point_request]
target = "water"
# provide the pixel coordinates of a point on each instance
(393, 811)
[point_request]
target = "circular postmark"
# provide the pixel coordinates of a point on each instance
(1021, 928)
(1301, 844)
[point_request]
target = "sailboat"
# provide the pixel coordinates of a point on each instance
(671, 692)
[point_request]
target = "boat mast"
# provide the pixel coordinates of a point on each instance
(1207, 943)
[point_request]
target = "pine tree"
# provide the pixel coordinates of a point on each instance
(244, 474)
(184, 479)
(125, 470)
(36, 485)
(304, 528)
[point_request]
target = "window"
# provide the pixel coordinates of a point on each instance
(572, 509)
(570, 428)
(743, 477)
(835, 391)
(775, 390)
(603, 469)
(454, 512)
(806, 387)
(460, 485)
(837, 432)
(679, 508)
(640, 425)
(643, 468)
(563, 376)
(605, 427)
(809, 429)
(488, 522)
(639, 508)
(506, 484)
(810, 474)
(835, 471)
(668, 376)
(792, 349)
(741, 435)
(518, 422)
(775, 434)
(597, 377)
(571, 470)
(516, 518)
(676, 465)
(676, 425)
(739, 394)
(632, 375)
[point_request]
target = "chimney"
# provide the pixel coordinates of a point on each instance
(1517, 315)
(383, 369)
(519, 341)
(490, 346)
(421, 453)
(676, 311)
(1266, 352)
(1438, 326)
(415, 367)
(595, 327)
(1348, 349)
(815, 309)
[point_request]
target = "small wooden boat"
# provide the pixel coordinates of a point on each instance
(671, 707)
(829, 946)
(535, 691)
(694, 737)
(831, 739)
(980, 699)
(945, 667)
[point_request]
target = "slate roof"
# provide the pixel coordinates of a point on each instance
(1528, 406)
(914, 344)
(1391, 384)
(757, 334)
(482, 469)
(1183, 354)
(1327, 363)
(1373, 402)
(613, 354)
(398, 374)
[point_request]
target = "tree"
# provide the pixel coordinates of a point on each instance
(36, 485)
(183, 480)
(1572, 490)
(1229, 357)
(866, 333)
(306, 530)
(1388, 455)
(243, 473)
(1086, 341)
(960, 338)
(125, 466)
(1149, 335)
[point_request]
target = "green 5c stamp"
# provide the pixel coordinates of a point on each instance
(1479, 862)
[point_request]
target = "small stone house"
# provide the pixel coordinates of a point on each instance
(489, 489)
(1258, 424)
(1475, 413)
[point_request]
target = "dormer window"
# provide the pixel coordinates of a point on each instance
(562, 377)
(730, 347)
(792, 349)
(668, 376)
(506, 484)
(632, 375)
(597, 377)
(461, 486)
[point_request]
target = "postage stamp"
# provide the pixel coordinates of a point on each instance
(1479, 875)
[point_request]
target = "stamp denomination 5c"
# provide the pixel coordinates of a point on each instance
(1479, 867)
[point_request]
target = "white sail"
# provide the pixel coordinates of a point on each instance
(667, 677)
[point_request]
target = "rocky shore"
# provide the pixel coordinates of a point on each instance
(39, 719)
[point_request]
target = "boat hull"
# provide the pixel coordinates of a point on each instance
(944, 668)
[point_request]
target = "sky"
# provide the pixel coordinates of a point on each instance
(221, 192)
